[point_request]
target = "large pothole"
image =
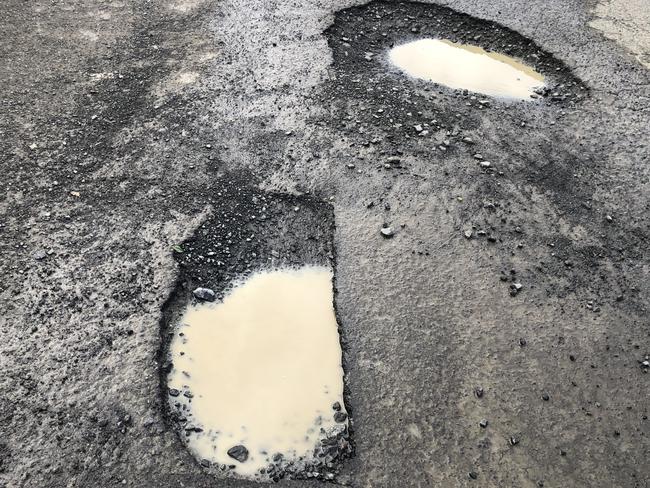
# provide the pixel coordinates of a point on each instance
(473, 56)
(252, 372)
(258, 376)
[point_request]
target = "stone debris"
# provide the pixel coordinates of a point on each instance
(515, 288)
(205, 294)
(340, 417)
(39, 255)
(645, 365)
(239, 452)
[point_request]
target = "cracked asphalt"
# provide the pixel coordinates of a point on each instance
(138, 137)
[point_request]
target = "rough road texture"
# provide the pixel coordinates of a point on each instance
(121, 119)
(626, 21)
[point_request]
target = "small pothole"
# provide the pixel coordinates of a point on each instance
(257, 379)
(467, 67)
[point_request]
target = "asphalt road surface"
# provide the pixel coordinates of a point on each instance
(136, 137)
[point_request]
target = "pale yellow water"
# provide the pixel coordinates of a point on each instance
(263, 366)
(466, 67)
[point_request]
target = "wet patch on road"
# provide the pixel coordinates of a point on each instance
(362, 38)
(385, 111)
(250, 391)
(467, 67)
(258, 376)
(366, 87)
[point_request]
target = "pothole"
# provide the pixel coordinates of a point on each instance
(467, 67)
(435, 43)
(257, 378)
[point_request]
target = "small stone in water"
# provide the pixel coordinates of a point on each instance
(340, 417)
(240, 453)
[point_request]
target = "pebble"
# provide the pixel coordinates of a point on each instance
(387, 232)
(205, 294)
(40, 255)
(239, 452)
(483, 423)
(478, 391)
(515, 288)
(485, 164)
(340, 417)
(545, 397)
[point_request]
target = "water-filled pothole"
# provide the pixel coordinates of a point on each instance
(467, 67)
(258, 378)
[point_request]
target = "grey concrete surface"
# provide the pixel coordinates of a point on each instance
(124, 124)
(626, 22)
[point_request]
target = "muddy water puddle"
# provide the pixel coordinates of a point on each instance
(466, 67)
(259, 376)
